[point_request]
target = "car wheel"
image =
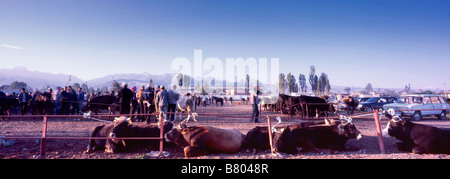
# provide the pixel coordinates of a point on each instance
(442, 116)
(368, 109)
(417, 116)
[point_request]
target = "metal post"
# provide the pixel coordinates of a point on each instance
(380, 137)
(44, 134)
(161, 135)
(270, 134)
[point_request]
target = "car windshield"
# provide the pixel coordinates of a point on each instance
(410, 100)
(372, 100)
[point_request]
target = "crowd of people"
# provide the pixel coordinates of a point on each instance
(62, 101)
(146, 100)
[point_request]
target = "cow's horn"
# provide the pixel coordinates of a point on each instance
(279, 121)
(182, 125)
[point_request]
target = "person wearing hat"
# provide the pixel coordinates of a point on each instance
(140, 101)
(125, 95)
(162, 99)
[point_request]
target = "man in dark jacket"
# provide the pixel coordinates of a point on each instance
(125, 95)
(149, 106)
(24, 98)
(173, 99)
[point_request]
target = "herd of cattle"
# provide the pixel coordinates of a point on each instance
(327, 136)
(309, 106)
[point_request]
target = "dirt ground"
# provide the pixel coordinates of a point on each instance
(368, 147)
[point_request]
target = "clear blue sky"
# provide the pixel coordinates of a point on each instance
(388, 43)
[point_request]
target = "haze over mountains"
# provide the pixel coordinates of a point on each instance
(36, 79)
(40, 80)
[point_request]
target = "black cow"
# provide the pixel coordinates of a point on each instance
(126, 129)
(44, 103)
(7, 102)
(100, 102)
(316, 138)
(282, 103)
(218, 100)
(123, 128)
(258, 137)
(417, 138)
(305, 105)
(316, 106)
(108, 145)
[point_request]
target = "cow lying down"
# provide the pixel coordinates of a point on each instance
(417, 138)
(203, 140)
(323, 138)
(258, 137)
(122, 127)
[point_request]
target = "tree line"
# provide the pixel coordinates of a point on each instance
(320, 85)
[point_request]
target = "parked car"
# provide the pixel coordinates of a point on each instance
(375, 103)
(363, 99)
(417, 106)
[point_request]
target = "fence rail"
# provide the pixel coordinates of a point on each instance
(161, 137)
(44, 131)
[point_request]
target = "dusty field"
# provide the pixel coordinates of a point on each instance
(69, 149)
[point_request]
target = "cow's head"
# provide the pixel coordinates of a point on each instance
(348, 129)
(176, 135)
(396, 128)
(167, 126)
(84, 108)
(283, 141)
(122, 128)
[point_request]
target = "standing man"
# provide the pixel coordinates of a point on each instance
(149, 105)
(23, 100)
(140, 101)
(162, 99)
(80, 98)
(64, 101)
(173, 98)
(73, 103)
(254, 101)
(125, 95)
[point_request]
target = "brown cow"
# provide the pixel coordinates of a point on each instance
(203, 140)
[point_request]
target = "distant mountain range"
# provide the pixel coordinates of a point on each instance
(35, 79)
(40, 80)
(131, 79)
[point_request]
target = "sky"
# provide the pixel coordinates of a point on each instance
(383, 42)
